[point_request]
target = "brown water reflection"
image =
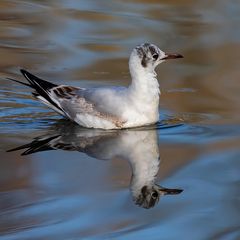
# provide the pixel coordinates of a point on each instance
(87, 43)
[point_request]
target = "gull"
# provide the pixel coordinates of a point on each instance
(138, 146)
(109, 107)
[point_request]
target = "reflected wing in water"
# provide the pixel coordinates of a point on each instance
(70, 137)
(37, 145)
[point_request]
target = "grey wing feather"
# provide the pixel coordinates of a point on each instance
(85, 101)
(70, 101)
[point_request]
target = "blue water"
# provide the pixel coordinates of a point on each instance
(79, 183)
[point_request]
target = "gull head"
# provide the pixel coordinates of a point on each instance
(150, 195)
(147, 56)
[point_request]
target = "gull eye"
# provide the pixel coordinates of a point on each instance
(155, 56)
(154, 195)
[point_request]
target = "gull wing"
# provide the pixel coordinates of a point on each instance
(97, 102)
(64, 135)
(70, 101)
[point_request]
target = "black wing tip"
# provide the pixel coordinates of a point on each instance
(27, 152)
(34, 79)
(15, 80)
(22, 70)
(16, 149)
(42, 87)
(26, 74)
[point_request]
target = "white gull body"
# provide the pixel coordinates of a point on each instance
(110, 107)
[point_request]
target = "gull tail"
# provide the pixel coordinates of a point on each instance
(42, 90)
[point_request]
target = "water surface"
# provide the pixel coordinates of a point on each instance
(81, 184)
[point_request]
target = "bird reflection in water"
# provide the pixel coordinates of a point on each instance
(138, 146)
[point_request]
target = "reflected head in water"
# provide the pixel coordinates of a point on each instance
(138, 146)
(150, 195)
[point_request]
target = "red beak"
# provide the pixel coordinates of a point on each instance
(172, 56)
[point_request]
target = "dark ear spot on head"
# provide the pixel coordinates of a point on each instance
(142, 55)
(152, 50)
(144, 60)
(144, 190)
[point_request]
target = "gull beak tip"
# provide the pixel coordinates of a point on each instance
(179, 56)
(172, 56)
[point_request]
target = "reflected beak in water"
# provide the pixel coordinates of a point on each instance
(172, 56)
(169, 191)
